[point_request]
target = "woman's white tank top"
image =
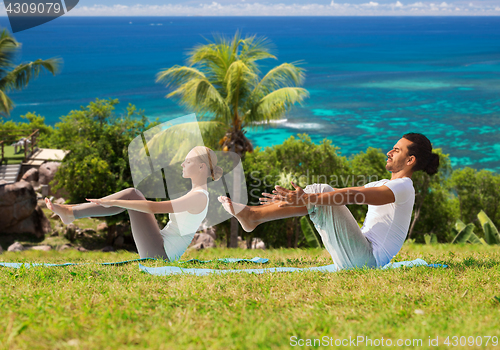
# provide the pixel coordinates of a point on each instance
(185, 223)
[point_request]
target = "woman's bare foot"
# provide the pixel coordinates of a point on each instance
(243, 213)
(65, 212)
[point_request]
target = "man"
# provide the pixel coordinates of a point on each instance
(390, 204)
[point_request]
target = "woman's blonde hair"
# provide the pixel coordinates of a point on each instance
(209, 158)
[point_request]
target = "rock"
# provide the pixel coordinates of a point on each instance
(81, 249)
(41, 201)
(202, 241)
(45, 190)
(30, 175)
(258, 243)
(46, 174)
(16, 247)
(60, 201)
(65, 246)
(17, 202)
(1, 249)
(20, 213)
(47, 171)
(86, 232)
(209, 231)
(197, 246)
(44, 248)
(70, 233)
(108, 249)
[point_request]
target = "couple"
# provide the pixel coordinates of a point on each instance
(390, 204)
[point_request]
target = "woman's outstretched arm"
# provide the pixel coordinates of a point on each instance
(194, 202)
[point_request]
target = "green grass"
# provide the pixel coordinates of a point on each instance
(96, 307)
(13, 158)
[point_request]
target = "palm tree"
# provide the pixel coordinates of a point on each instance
(18, 77)
(222, 80)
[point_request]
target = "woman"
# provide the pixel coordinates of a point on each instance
(190, 209)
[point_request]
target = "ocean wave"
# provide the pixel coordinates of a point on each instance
(279, 121)
(286, 124)
(303, 125)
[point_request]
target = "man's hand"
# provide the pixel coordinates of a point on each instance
(288, 198)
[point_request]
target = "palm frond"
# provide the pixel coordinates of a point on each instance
(178, 75)
(275, 105)
(20, 76)
(239, 81)
(8, 49)
(202, 97)
(284, 75)
(255, 49)
(6, 104)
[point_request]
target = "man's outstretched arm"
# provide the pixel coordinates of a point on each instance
(350, 195)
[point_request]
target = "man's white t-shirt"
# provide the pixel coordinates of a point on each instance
(386, 226)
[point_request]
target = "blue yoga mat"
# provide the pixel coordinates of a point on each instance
(173, 270)
(255, 260)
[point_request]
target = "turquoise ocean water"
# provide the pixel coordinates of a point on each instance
(371, 79)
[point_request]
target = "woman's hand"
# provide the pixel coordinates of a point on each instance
(297, 198)
(106, 203)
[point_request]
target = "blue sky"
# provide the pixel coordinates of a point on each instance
(285, 8)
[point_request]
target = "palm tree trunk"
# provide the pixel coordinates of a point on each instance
(233, 240)
(415, 218)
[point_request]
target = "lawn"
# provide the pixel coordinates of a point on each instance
(13, 158)
(97, 307)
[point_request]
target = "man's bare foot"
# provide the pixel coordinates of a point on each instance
(65, 212)
(242, 213)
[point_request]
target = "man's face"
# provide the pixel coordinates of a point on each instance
(398, 158)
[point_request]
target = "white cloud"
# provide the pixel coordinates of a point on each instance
(245, 8)
(370, 4)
